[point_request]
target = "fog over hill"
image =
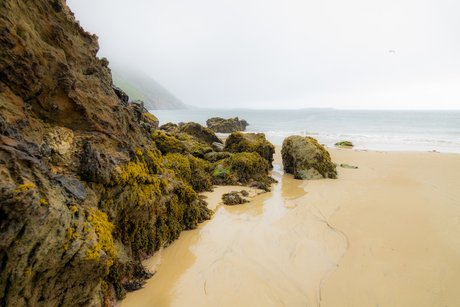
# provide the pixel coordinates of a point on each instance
(139, 86)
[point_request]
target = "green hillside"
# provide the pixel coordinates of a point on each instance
(140, 86)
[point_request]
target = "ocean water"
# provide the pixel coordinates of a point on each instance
(374, 130)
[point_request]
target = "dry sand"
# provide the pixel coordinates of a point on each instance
(385, 234)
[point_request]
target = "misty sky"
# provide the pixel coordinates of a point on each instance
(287, 54)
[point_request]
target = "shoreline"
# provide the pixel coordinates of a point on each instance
(389, 226)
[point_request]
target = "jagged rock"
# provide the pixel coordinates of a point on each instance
(250, 142)
(95, 166)
(306, 159)
(122, 95)
(219, 124)
(75, 164)
(201, 133)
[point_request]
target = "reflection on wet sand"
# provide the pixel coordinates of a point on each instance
(400, 214)
(274, 251)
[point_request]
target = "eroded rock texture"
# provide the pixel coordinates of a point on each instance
(84, 193)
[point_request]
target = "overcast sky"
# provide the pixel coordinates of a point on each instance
(287, 54)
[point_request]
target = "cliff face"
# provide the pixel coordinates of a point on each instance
(83, 190)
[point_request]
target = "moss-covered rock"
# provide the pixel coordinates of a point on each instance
(216, 156)
(233, 198)
(219, 124)
(344, 144)
(84, 192)
(244, 169)
(306, 159)
(166, 143)
(250, 142)
(193, 171)
(202, 134)
(150, 119)
(170, 127)
(191, 145)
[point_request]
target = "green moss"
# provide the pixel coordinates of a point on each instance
(238, 142)
(245, 168)
(344, 143)
(150, 117)
(166, 143)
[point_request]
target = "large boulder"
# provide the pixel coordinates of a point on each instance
(219, 124)
(306, 159)
(244, 168)
(201, 133)
(250, 142)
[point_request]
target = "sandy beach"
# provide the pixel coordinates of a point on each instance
(385, 234)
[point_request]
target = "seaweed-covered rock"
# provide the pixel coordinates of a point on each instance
(166, 143)
(170, 127)
(191, 145)
(250, 142)
(233, 198)
(150, 119)
(192, 170)
(244, 169)
(219, 124)
(65, 241)
(344, 143)
(216, 156)
(218, 146)
(306, 159)
(201, 133)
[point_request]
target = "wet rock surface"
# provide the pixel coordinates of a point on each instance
(306, 159)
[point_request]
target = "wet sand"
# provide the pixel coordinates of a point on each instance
(385, 234)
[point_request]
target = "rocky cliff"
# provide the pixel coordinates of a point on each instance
(84, 193)
(88, 186)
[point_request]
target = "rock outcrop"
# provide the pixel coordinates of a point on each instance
(88, 186)
(230, 125)
(201, 133)
(306, 159)
(250, 142)
(84, 193)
